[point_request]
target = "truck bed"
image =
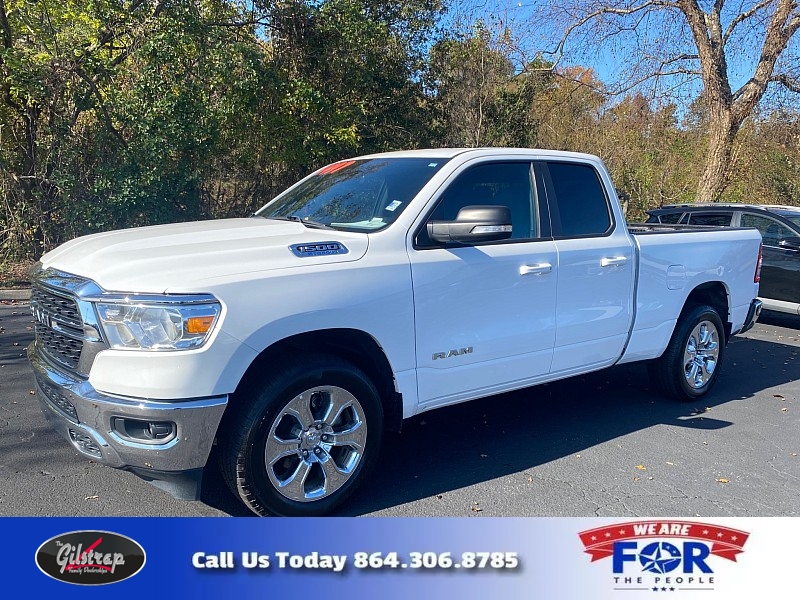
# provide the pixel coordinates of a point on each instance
(645, 228)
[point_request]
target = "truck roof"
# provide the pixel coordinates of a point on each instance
(452, 152)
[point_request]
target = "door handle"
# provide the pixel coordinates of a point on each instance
(537, 269)
(616, 261)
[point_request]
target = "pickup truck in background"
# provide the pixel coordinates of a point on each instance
(370, 291)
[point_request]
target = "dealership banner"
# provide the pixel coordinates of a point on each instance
(401, 558)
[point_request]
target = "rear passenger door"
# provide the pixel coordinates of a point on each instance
(596, 268)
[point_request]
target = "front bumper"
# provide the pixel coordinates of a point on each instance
(752, 315)
(89, 420)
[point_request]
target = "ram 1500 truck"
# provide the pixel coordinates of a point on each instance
(370, 291)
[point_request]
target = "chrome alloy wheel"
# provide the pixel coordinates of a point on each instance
(315, 443)
(701, 354)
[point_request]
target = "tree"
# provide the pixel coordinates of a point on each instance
(120, 113)
(677, 42)
(466, 76)
(55, 60)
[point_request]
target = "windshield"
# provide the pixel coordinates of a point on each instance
(358, 195)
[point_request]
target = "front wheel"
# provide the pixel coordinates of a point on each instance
(690, 365)
(307, 436)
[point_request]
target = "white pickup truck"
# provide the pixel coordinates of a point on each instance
(372, 290)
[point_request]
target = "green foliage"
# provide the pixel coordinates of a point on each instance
(126, 113)
(120, 113)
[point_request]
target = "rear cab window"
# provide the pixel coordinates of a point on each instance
(578, 203)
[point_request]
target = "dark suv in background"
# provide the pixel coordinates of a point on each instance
(780, 231)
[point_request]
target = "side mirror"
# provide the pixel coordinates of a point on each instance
(473, 224)
(790, 243)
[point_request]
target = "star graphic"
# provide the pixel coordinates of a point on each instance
(659, 557)
(655, 589)
(719, 535)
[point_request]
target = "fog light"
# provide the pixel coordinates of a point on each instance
(144, 432)
(85, 443)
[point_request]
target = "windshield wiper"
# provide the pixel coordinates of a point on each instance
(305, 221)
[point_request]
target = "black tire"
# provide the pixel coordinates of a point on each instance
(273, 411)
(678, 376)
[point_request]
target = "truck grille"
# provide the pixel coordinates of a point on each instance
(58, 327)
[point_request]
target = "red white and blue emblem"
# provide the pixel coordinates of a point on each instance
(663, 555)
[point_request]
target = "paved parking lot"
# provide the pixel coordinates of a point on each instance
(605, 444)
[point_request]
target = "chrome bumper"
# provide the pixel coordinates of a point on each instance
(752, 315)
(89, 421)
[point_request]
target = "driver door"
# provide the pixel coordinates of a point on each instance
(485, 313)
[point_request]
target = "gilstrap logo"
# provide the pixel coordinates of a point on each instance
(90, 557)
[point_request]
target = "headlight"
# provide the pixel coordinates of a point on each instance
(158, 325)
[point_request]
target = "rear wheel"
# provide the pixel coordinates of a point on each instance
(304, 438)
(690, 365)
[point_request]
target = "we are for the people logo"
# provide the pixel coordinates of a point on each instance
(663, 556)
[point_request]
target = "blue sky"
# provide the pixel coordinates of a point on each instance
(614, 60)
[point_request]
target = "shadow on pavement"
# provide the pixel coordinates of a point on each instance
(459, 446)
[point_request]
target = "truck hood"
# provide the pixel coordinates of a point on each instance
(186, 257)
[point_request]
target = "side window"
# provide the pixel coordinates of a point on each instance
(498, 184)
(772, 232)
(670, 218)
(718, 219)
(578, 204)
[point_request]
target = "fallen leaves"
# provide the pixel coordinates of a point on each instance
(723, 480)
(641, 467)
(92, 497)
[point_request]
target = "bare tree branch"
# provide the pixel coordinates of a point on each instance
(782, 27)
(741, 18)
(633, 84)
(679, 57)
(693, 44)
(100, 103)
(606, 11)
(790, 83)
